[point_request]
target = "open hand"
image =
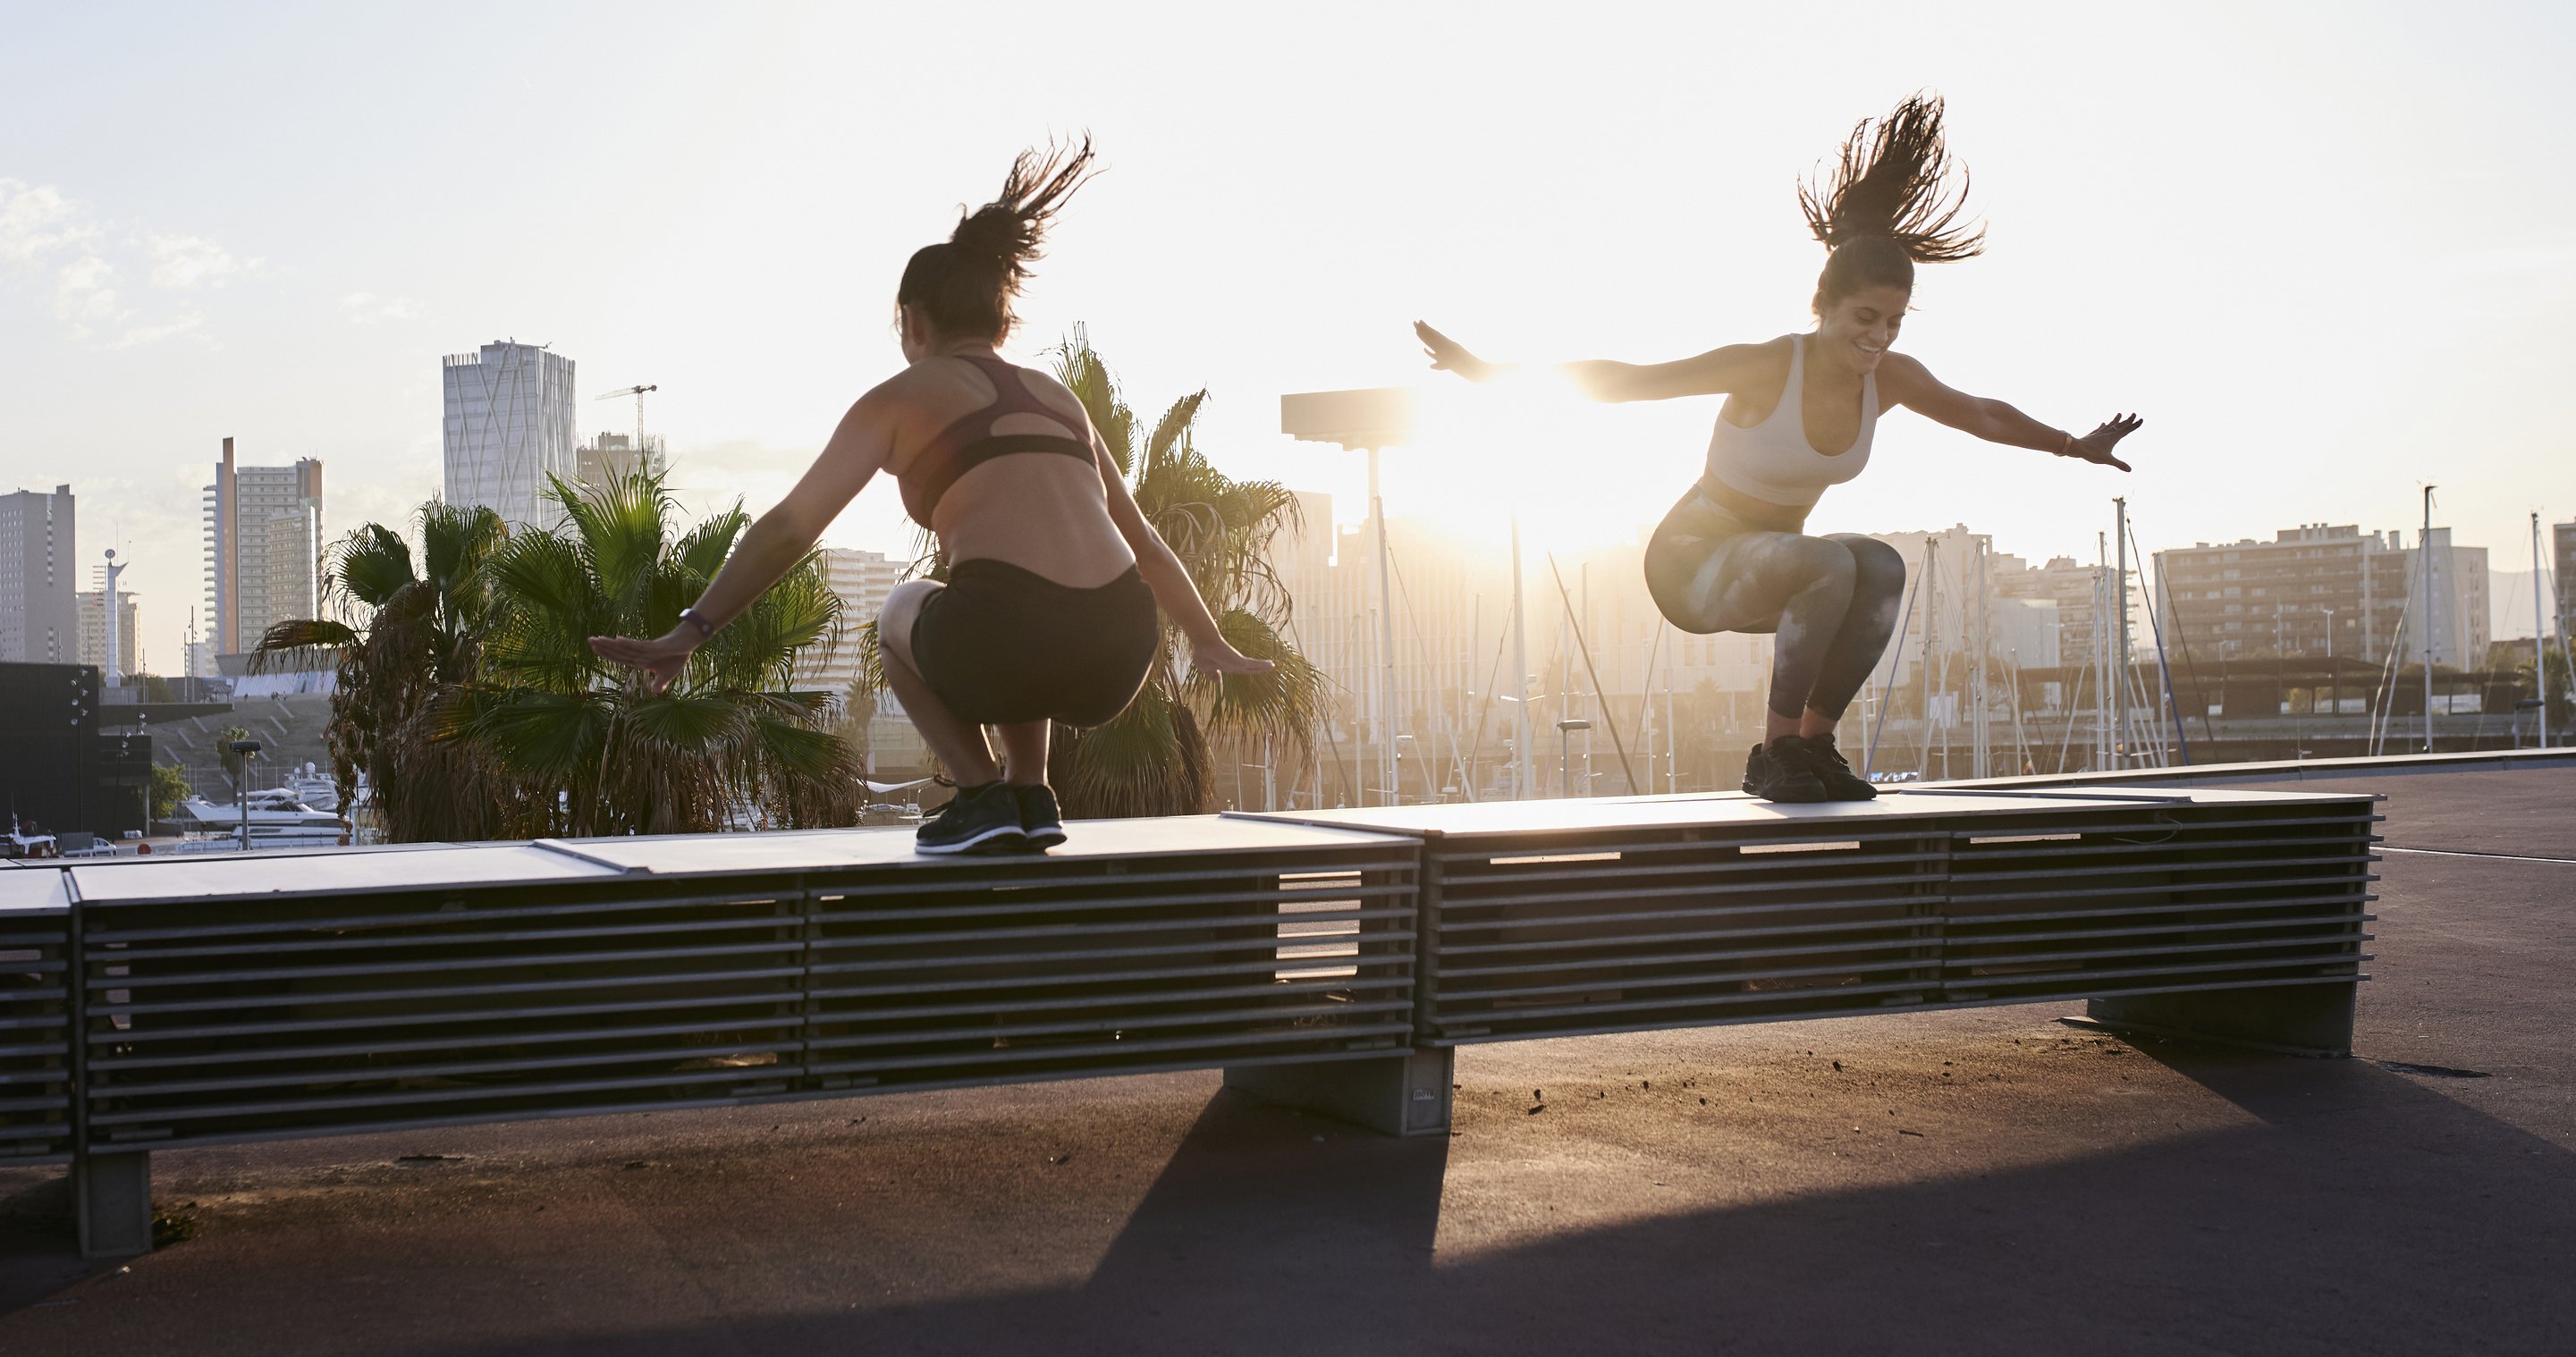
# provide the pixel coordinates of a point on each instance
(2096, 446)
(1448, 355)
(660, 658)
(1217, 657)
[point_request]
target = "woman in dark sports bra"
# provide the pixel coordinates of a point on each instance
(1054, 576)
(1734, 554)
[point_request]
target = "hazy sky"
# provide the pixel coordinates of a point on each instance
(2329, 251)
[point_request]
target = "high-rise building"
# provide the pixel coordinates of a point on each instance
(616, 454)
(1958, 587)
(264, 547)
(93, 633)
(861, 580)
(39, 619)
(2323, 590)
(508, 429)
(2070, 589)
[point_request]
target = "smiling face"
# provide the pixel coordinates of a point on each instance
(1854, 330)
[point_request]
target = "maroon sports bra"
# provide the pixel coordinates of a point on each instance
(970, 441)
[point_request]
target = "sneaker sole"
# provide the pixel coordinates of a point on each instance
(984, 842)
(1777, 798)
(1044, 839)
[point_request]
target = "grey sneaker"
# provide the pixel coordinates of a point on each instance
(983, 819)
(1835, 771)
(1779, 771)
(1040, 820)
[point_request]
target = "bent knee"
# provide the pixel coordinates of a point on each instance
(1876, 566)
(1822, 560)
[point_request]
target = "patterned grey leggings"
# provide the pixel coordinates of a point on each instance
(1833, 601)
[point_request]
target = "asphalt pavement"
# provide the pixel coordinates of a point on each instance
(1978, 1181)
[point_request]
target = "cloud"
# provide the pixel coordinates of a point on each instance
(85, 291)
(366, 308)
(36, 220)
(47, 235)
(186, 261)
(153, 334)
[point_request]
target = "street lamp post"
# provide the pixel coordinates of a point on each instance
(1368, 420)
(1565, 752)
(247, 750)
(1364, 421)
(113, 572)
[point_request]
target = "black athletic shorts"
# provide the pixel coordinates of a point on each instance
(1002, 646)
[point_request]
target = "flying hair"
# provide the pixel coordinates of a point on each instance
(966, 284)
(1892, 180)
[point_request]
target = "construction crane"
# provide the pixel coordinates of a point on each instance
(638, 393)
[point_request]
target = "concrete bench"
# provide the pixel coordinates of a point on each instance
(1331, 961)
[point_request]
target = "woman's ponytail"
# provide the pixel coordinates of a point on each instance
(1888, 203)
(965, 285)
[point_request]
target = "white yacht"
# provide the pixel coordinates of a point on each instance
(275, 815)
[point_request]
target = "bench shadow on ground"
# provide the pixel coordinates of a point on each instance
(2363, 1210)
(38, 1258)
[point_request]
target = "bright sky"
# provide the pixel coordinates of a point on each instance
(2325, 249)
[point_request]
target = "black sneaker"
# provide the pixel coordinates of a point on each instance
(983, 819)
(1835, 771)
(1779, 771)
(1039, 818)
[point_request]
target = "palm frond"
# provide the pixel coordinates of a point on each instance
(369, 564)
(291, 643)
(703, 549)
(620, 527)
(1150, 760)
(1088, 379)
(1286, 704)
(1172, 432)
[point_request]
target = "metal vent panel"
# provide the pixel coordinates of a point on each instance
(35, 1035)
(226, 1017)
(1005, 971)
(1719, 910)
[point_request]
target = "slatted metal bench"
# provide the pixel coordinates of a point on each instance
(225, 1000)
(2218, 915)
(1332, 961)
(35, 1017)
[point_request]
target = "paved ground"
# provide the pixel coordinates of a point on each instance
(1964, 1182)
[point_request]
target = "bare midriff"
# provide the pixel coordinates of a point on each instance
(1759, 513)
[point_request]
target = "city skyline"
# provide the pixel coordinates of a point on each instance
(2315, 312)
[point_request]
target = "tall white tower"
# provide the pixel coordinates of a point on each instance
(108, 674)
(508, 428)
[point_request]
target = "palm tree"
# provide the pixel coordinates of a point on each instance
(600, 754)
(417, 629)
(1155, 758)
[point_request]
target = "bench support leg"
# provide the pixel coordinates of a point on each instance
(1401, 1095)
(112, 1194)
(2311, 1020)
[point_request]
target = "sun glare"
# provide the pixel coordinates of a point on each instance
(1578, 473)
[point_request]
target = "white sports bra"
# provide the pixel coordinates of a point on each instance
(1773, 462)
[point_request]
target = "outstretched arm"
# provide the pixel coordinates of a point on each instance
(1908, 383)
(769, 548)
(1717, 372)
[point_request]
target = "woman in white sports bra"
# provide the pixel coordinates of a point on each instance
(1733, 555)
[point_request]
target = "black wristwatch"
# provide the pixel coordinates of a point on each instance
(706, 629)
